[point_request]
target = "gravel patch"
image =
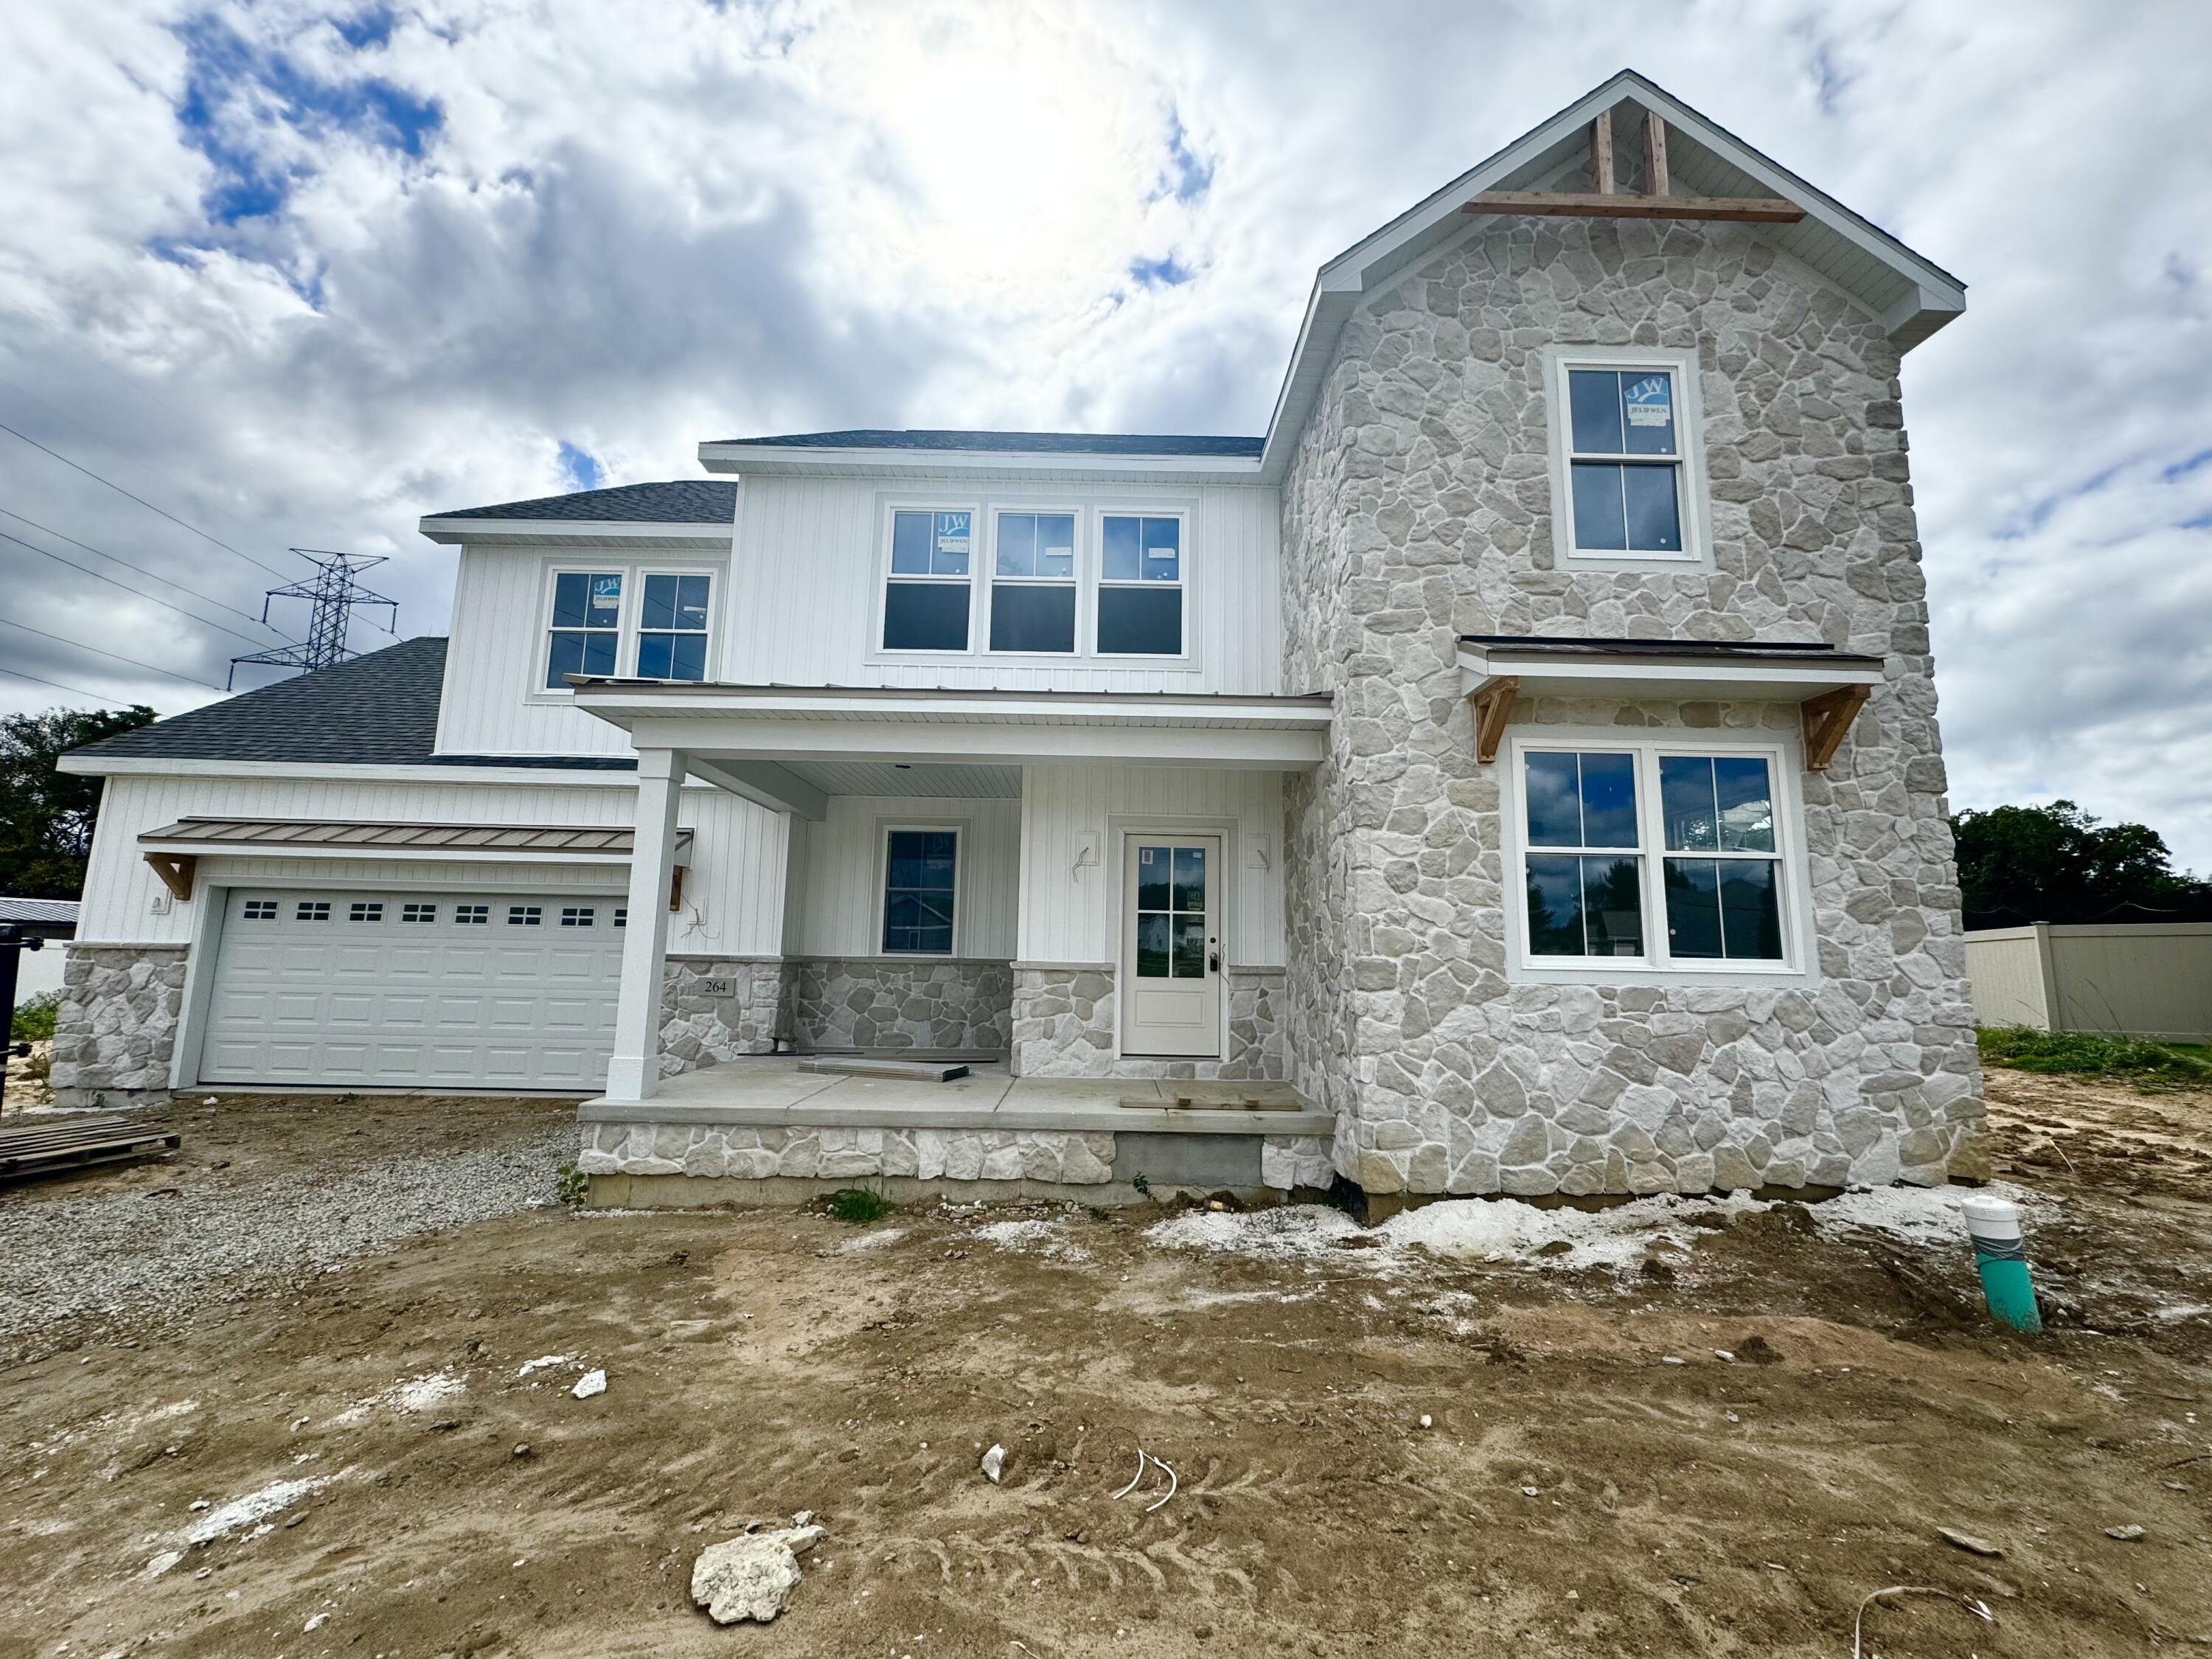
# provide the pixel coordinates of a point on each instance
(141, 1257)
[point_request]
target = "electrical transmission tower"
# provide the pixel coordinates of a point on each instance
(335, 595)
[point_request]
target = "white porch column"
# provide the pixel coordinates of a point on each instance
(633, 1068)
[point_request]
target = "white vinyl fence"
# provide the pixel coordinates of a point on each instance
(2143, 979)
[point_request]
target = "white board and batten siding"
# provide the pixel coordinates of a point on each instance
(1070, 913)
(733, 893)
(807, 599)
(839, 911)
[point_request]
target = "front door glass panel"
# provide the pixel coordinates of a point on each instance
(1171, 938)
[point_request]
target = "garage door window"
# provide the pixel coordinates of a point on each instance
(574, 915)
(313, 910)
(360, 912)
(471, 915)
(525, 915)
(418, 913)
(261, 909)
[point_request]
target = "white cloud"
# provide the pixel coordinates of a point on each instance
(635, 225)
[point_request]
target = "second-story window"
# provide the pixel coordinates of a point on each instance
(671, 628)
(1033, 582)
(927, 600)
(1627, 459)
(586, 625)
(1140, 586)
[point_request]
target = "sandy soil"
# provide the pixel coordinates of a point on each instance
(1574, 1494)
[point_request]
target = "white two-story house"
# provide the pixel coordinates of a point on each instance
(1519, 762)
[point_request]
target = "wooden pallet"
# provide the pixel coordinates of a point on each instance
(913, 1071)
(78, 1143)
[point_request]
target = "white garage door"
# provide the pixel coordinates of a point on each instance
(414, 990)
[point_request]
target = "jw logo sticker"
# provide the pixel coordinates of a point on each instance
(952, 533)
(1650, 401)
(606, 592)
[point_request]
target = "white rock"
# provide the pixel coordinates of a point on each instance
(315, 1624)
(162, 1563)
(752, 1576)
(589, 1383)
(1427, 1422)
(994, 1462)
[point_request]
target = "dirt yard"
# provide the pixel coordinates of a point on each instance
(1572, 1491)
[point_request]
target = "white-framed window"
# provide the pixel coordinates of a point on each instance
(584, 635)
(1036, 582)
(1628, 484)
(260, 910)
(1143, 580)
(312, 910)
(576, 915)
(655, 623)
(418, 913)
(473, 915)
(525, 915)
(365, 910)
(929, 600)
(922, 882)
(1674, 855)
(671, 625)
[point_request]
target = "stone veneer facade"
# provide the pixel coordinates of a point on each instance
(697, 1029)
(115, 1030)
(1418, 509)
(844, 1002)
(1064, 1022)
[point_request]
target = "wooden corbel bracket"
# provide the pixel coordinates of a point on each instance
(175, 870)
(1827, 717)
(1493, 702)
(675, 888)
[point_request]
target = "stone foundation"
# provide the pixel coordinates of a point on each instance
(116, 1028)
(761, 1165)
(1065, 1019)
(703, 1027)
(844, 1002)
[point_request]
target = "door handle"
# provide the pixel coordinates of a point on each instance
(1213, 961)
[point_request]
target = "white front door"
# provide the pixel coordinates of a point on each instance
(1172, 945)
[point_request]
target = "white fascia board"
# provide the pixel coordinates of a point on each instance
(1667, 678)
(771, 459)
(573, 532)
(141, 766)
(774, 739)
(623, 705)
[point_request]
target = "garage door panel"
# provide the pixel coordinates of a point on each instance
(331, 1002)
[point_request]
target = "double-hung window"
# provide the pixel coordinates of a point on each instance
(1624, 430)
(587, 626)
(671, 628)
(920, 874)
(1140, 585)
(1033, 582)
(1651, 853)
(927, 601)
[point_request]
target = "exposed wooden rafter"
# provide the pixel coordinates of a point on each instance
(1606, 200)
(1827, 717)
(1493, 702)
(175, 870)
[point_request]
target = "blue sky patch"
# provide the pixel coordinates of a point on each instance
(2182, 469)
(1185, 178)
(580, 467)
(236, 92)
(1168, 272)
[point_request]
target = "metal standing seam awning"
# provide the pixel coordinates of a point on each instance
(742, 738)
(1829, 686)
(174, 849)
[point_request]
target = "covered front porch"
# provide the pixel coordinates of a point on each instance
(1084, 887)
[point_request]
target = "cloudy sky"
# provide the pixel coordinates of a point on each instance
(294, 274)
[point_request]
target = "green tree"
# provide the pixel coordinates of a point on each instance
(46, 817)
(2057, 863)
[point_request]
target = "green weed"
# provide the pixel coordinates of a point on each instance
(2085, 1054)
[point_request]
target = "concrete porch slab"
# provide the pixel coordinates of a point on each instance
(771, 1091)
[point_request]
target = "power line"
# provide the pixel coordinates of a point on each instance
(166, 581)
(141, 500)
(204, 622)
(80, 645)
(78, 691)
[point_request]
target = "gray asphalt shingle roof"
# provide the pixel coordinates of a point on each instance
(676, 501)
(1069, 443)
(377, 709)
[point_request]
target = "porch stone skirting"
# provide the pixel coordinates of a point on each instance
(740, 1154)
(116, 1027)
(703, 1027)
(846, 1002)
(1064, 1020)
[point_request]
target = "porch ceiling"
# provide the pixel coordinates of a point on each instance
(905, 778)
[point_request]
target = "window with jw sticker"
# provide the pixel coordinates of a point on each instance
(1649, 401)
